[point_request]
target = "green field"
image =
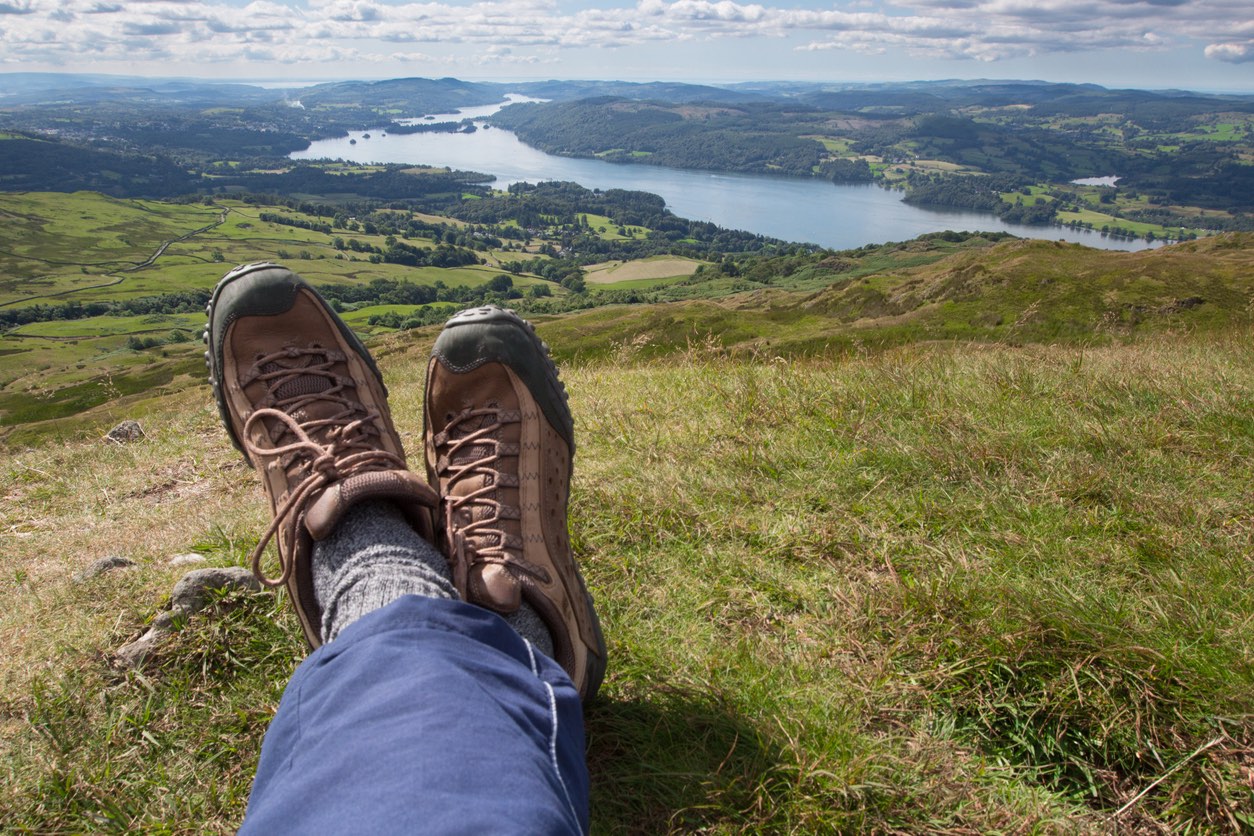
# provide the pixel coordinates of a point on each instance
(642, 273)
(107, 326)
(54, 369)
(1029, 197)
(608, 230)
(360, 318)
(839, 146)
(1215, 132)
(85, 248)
(1099, 219)
(1091, 196)
(33, 249)
(60, 244)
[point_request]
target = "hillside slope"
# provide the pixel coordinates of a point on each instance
(1015, 292)
(933, 588)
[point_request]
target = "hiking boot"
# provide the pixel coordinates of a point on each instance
(304, 402)
(499, 442)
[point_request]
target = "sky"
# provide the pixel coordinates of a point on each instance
(1155, 44)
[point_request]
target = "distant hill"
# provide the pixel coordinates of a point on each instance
(414, 96)
(30, 164)
(674, 92)
(77, 88)
(1044, 97)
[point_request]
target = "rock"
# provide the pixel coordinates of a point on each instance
(133, 654)
(165, 621)
(103, 564)
(191, 593)
(125, 432)
(187, 559)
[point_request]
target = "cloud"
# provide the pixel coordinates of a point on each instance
(991, 30)
(1232, 53)
(502, 32)
(169, 28)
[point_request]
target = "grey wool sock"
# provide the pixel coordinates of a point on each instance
(374, 557)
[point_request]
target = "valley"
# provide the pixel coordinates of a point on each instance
(947, 533)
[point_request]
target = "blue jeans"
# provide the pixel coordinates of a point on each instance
(426, 716)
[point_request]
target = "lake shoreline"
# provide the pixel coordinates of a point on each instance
(833, 215)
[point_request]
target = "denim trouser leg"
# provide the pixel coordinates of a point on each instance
(426, 716)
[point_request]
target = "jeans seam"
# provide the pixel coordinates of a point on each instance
(300, 731)
(557, 769)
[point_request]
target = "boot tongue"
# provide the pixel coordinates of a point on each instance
(319, 394)
(412, 494)
(477, 479)
(304, 386)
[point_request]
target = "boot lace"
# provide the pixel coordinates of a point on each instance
(471, 448)
(335, 447)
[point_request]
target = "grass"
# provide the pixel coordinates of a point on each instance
(1097, 220)
(837, 146)
(646, 272)
(1216, 132)
(934, 588)
(921, 290)
(1016, 292)
(54, 243)
(103, 326)
(57, 248)
(359, 319)
(1030, 196)
(86, 247)
(607, 230)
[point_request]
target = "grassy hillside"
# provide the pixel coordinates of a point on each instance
(936, 587)
(1013, 292)
(1016, 292)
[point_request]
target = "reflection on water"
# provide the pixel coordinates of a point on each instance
(791, 208)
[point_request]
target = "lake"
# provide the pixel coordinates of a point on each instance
(791, 208)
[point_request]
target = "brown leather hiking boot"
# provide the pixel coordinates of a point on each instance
(304, 402)
(499, 442)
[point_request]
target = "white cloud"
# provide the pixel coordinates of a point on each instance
(999, 29)
(529, 31)
(1232, 53)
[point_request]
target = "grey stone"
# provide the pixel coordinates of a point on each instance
(191, 593)
(103, 564)
(125, 432)
(187, 559)
(164, 621)
(133, 654)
